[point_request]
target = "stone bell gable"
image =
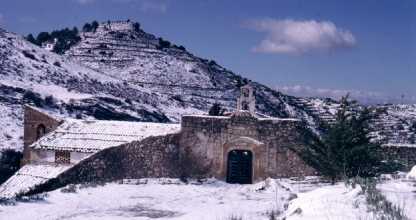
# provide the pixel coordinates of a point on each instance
(246, 101)
(36, 124)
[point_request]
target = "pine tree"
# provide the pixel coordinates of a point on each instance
(9, 163)
(136, 26)
(163, 44)
(75, 31)
(345, 149)
(31, 39)
(216, 110)
(87, 27)
(94, 26)
(413, 135)
(43, 37)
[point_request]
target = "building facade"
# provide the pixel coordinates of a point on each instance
(244, 147)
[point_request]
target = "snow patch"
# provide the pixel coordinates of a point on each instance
(328, 202)
(412, 173)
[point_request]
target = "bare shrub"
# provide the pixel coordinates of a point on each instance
(32, 198)
(50, 101)
(29, 55)
(57, 63)
(377, 202)
(91, 185)
(234, 217)
(273, 215)
(7, 202)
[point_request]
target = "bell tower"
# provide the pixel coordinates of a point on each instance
(246, 101)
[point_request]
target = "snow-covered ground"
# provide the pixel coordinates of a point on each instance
(329, 202)
(156, 199)
(402, 193)
(212, 200)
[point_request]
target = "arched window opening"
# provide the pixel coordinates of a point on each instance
(40, 131)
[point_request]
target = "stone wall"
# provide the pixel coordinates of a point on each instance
(34, 118)
(270, 141)
(152, 157)
(404, 155)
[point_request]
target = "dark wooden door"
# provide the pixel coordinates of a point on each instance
(239, 167)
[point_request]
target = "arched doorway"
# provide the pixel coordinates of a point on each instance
(240, 167)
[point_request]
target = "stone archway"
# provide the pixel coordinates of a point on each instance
(241, 145)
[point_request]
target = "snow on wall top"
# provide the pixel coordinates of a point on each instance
(94, 135)
(259, 117)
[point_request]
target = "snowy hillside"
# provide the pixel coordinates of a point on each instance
(32, 75)
(132, 55)
(395, 125)
(120, 72)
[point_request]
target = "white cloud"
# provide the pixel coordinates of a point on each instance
(160, 6)
(299, 37)
(365, 97)
(156, 6)
(84, 2)
(27, 19)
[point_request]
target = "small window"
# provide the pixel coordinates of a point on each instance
(40, 131)
(245, 106)
(63, 157)
(246, 93)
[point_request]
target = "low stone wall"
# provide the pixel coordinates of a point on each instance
(152, 157)
(404, 155)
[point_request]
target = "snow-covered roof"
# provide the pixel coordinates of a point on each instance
(28, 177)
(95, 135)
(207, 116)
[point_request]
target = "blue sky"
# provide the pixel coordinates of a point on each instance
(302, 46)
